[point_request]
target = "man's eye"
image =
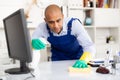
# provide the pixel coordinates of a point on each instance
(51, 22)
(59, 20)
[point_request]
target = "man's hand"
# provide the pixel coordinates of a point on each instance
(80, 64)
(37, 44)
(86, 56)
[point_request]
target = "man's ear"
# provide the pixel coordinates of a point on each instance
(62, 15)
(45, 19)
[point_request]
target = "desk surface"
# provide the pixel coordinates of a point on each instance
(58, 70)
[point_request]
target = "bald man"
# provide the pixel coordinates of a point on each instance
(67, 36)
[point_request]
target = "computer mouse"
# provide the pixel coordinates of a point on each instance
(102, 70)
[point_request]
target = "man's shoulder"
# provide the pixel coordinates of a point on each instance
(43, 23)
(67, 19)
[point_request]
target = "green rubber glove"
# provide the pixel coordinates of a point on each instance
(37, 44)
(80, 64)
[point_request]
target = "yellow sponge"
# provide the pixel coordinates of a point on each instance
(79, 70)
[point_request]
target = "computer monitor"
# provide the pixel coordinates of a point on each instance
(18, 41)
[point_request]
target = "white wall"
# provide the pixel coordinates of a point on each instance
(36, 14)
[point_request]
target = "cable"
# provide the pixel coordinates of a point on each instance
(32, 76)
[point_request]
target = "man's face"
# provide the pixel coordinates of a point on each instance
(55, 21)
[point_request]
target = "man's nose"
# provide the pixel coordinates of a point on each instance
(56, 24)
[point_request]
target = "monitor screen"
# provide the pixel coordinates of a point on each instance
(18, 40)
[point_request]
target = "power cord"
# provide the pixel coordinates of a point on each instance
(32, 76)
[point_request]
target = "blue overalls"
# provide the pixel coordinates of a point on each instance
(65, 47)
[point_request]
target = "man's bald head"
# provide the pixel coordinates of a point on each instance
(54, 18)
(52, 9)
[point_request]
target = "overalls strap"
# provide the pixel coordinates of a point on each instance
(70, 24)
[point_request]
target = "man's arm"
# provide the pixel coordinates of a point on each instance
(86, 43)
(39, 33)
(83, 38)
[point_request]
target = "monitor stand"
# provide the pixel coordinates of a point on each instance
(24, 69)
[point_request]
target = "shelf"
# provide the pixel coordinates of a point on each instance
(82, 8)
(107, 17)
(88, 8)
(107, 3)
(102, 23)
(88, 26)
(99, 27)
(102, 49)
(103, 33)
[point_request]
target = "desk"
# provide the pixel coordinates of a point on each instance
(58, 70)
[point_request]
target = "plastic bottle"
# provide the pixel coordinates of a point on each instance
(106, 61)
